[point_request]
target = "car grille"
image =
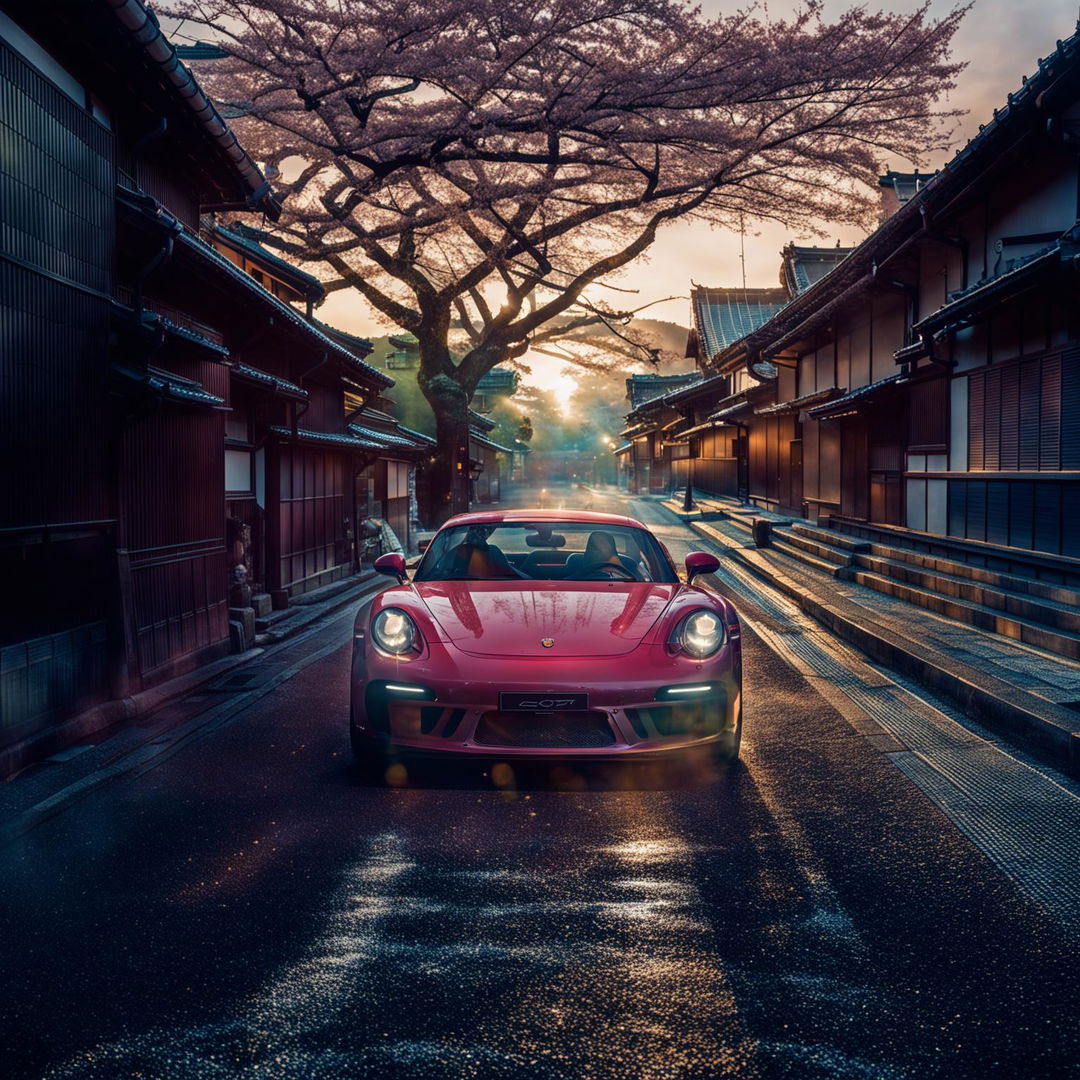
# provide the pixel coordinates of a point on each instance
(551, 731)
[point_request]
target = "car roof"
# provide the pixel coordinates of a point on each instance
(584, 517)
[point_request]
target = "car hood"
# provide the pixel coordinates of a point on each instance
(514, 618)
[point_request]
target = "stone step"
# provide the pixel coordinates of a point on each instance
(1050, 613)
(831, 537)
(783, 543)
(1014, 583)
(816, 546)
(1061, 642)
(335, 588)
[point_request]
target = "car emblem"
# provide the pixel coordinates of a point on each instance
(548, 642)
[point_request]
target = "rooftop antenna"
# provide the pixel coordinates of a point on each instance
(742, 247)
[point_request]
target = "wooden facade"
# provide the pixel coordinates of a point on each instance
(177, 417)
(114, 569)
(929, 379)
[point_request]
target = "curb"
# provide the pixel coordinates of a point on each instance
(1047, 730)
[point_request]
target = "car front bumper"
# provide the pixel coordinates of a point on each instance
(430, 705)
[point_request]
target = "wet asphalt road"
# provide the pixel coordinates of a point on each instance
(251, 908)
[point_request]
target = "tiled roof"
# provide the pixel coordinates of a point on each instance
(205, 251)
(418, 435)
(386, 438)
(483, 440)
(141, 24)
(803, 266)
(479, 420)
(850, 401)
(816, 303)
(723, 316)
(328, 438)
(732, 406)
(708, 425)
(343, 336)
(245, 238)
(169, 386)
(904, 185)
(1021, 274)
(274, 382)
(185, 333)
(641, 389)
(804, 402)
(498, 380)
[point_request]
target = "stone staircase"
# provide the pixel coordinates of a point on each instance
(1016, 604)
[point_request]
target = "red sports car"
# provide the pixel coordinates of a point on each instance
(545, 632)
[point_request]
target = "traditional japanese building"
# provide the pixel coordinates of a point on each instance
(647, 467)
(180, 421)
(929, 380)
(115, 564)
(490, 462)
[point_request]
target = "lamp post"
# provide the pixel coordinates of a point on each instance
(475, 469)
(688, 498)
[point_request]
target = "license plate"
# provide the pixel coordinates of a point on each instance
(543, 702)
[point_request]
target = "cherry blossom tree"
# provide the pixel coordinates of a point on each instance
(486, 164)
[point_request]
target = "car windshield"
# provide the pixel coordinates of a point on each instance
(545, 551)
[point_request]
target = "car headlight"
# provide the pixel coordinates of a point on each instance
(394, 632)
(700, 634)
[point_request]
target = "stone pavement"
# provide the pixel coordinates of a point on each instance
(1024, 693)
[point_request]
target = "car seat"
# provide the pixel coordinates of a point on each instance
(468, 561)
(599, 549)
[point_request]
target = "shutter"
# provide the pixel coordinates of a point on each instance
(1028, 458)
(976, 415)
(958, 507)
(1010, 418)
(992, 422)
(997, 512)
(1070, 410)
(1047, 516)
(976, 510)
(928, 413)
(1050, 415)
(1021, 513)
(1070, 518)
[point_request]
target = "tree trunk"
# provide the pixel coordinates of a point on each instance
(448, 475)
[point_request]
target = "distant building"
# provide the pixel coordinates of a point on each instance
(405, 354)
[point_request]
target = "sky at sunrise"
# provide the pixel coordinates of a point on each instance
(999, 40)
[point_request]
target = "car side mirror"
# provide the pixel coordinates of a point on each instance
(392, 563)
(697, 562)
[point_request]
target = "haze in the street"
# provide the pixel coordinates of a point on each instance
(1000, 41)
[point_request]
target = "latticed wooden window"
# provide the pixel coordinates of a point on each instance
(928, 416)
(1025, 415)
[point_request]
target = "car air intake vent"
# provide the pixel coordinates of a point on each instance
(430, 715)
(452, 721)
(685, 718)
(552, 731)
